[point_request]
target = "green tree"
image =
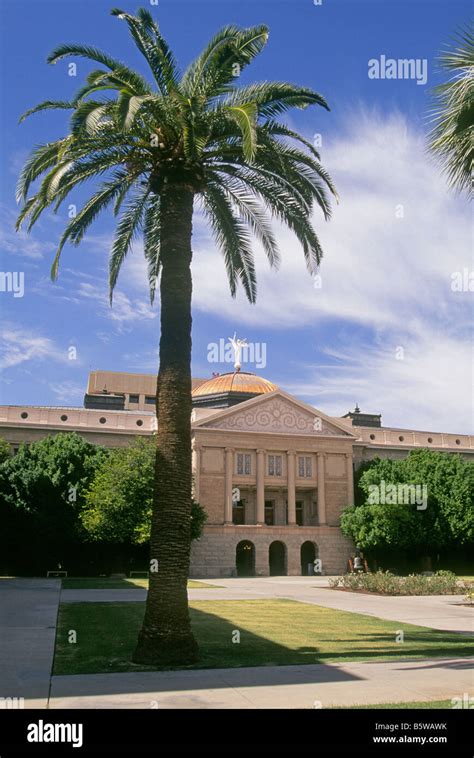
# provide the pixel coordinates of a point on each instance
(5, 450)
(118, 503)
(160, 148)
(446, 522)
(42, 489)
(452, 137)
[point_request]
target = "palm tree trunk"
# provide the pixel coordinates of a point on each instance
(166, 637)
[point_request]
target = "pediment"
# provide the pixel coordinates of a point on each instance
(276, 413)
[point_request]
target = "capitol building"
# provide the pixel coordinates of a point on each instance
(272, 472)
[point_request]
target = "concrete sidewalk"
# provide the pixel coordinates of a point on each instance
(28, 613)
(311, 686)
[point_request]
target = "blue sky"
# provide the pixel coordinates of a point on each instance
(382, 327)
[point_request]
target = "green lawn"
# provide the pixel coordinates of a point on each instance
(417, 704)
(104, 583)
(272, 632)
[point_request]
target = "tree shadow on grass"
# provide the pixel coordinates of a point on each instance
(435, 636)
(107, 633)
(108, 657)
(102, 583)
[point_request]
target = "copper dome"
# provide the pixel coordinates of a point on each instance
(238, 382)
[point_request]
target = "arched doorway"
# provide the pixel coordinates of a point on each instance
(309, 553)
(277, 559)
(245, 558)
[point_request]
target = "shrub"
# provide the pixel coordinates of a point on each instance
(386, 583)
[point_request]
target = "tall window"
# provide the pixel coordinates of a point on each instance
(305, 467)
(299, 512)
(238, 512)
(244, 465)
(269, 512)
(274, 465)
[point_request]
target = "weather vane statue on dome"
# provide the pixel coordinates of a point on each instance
(237, 345)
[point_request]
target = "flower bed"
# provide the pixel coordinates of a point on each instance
(386, 583)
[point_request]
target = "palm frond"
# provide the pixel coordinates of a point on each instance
(152, 243)
(451, 139)
(129, 225)
(223, 60)
(78, 226)
(246, 117)
(45, 106)
(273, 98)
(283, 202)
(154, 49)
(252, 214)
(90, 115)
(94, 54)
(128, 108)
(233, 240)
(42, 158)
(27, 209)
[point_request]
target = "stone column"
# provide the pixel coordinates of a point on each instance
(291, 479)
(321, 490)
(350, 479)
(260, 486)
(197, 471)
(229, 473)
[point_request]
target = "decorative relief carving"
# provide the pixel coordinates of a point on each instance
(276, 415)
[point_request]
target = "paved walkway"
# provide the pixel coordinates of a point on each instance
(445, 612)
(320, 686)
(28, 612)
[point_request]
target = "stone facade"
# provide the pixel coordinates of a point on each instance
(386, 442)
(274, 475)
(214, 555)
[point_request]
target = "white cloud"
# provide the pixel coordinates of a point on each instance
(145, 361)
(427, 386)
(123, 310)
(104, 337)
(68, 392)
(22, 244)
(388, 277)
(19, 345)
(375, 264)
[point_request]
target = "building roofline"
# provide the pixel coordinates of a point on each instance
(416, 431)
(81, 409)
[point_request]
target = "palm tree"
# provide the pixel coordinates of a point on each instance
(158, 147)
(452, 137)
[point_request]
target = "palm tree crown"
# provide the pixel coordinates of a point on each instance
(452, 137)
(197, 129)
